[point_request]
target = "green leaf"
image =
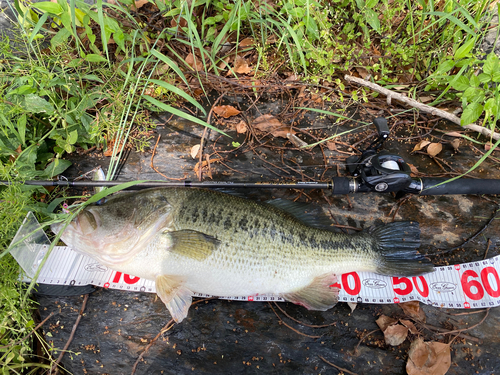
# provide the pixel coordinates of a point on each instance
(179, 113)
(462, 52)
(491, 65)
(73, 137)
(484, 78)
(60, 38)
(471, 113)
(372, 19)
(179, 92)
(371, 3)
(445, 66)
(55, 168)
(92, 77)
(91, 57)
(460, 83)
(495, 77)
(47, 6)
(474, 81)
(21, 128)
(296, 12)
(35, 104)
(312, 27)
(491, 106)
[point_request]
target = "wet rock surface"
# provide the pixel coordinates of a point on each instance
(249, 337)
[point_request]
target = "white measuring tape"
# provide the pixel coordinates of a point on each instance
(467, 285)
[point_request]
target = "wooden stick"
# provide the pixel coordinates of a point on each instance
(420, 106)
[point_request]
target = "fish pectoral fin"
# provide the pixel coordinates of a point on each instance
(192, 244)
(319, 295)
(174, 295)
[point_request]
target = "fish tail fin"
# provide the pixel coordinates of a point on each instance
(397, 245)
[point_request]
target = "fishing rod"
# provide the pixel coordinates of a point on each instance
(372, 172)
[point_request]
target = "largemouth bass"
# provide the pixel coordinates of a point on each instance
(194, 240)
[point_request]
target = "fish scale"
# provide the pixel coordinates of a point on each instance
(194, 240)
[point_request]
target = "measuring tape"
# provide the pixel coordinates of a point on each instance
(467, 285)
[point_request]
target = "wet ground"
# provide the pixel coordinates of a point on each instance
(250, 337)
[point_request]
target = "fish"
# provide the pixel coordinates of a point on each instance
(191, 240)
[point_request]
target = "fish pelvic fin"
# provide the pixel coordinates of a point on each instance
(319, 295)
(397, 246)
(192, 244)
(174, 295)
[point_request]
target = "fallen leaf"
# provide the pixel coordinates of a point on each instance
(454, 134)
(241, 127)
(409, 324)
(428, 358)
(488, 146)
(352, 305)
(140, 3)
(456, 144)
(195, 150)
(420, 145)
(413, 169)
(111, 146)
(173, 22)
(226, 111)
(224, 63)
(297, 142)
(363, 73)
(270, 124)
(413, 310)
(434, 148)
(247, 42)
(292, 78)
(426, 99)
(395, 335)
(193, 62)
(331, 146)
(241, 66)
(385, 321)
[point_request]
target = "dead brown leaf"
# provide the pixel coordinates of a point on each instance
(409, 324)
(226, 111)
(352, 305)
(182, 22)
(140, 3)
(385, 321)
(241, 66)
(395, 335)
(331, 146)
(488, 146)
(292, 78)
(420, 145)
(456, 144)
(413, 310)
(363, 73)
(434, 148)
(413, 169)
(454, 134)
(194, 62)
(109, 149)
(241, 127)
(247, 42)
(195, 150)
(428, 358)
(270, 124)
(297, 142)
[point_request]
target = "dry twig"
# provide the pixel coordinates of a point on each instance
(55, 369)
(420, 106)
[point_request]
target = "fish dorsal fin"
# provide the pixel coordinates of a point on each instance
(174, 295)
(306, 213)
(319, 295)
(192, 244)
